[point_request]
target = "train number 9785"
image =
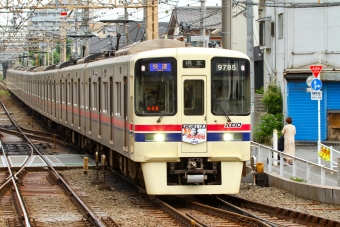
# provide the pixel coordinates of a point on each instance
(226, 67)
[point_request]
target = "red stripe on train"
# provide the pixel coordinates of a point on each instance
(158, 127)
(244, 127)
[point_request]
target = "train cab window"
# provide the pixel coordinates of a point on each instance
(193, 97)
(155, 87)
(230, 87)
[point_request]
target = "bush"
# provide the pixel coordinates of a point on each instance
(272, 100)
(259, 91)
(263, 132)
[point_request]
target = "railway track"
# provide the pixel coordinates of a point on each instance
(274, 216)
(172, 209)
(34, 190)
(224, 210)
(38, 136)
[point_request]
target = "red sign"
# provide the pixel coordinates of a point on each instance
(315, 69)
(63, 14)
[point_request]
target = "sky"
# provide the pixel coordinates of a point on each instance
(164, 10)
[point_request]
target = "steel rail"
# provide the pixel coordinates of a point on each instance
(172, 212)
(17, 192)
(90, 215)
(280, 212)
(229, 215)
(8, 179)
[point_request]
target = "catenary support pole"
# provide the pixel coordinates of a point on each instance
(250, 53)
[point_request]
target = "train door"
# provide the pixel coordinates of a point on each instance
(125, 109)
(90, 104)
(100, 111)
(79, 103)
(72, 101)
(67, 100)
(111, 109)
(55, 99)
(194, 112)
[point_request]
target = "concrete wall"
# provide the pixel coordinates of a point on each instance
(324, 194)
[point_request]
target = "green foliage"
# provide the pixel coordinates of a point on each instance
(272, 99)
(298, 179)
(68, 50)
(259, 91)
(264, 129)
(4, 93)
(56, 57)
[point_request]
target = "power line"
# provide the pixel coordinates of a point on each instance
(290, 4)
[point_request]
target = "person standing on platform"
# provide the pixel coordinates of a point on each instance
(289, 132)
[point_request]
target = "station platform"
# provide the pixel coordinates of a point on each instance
(60, 161)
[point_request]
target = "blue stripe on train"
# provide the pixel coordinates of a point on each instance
(177, 137)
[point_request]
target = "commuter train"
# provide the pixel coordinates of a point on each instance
(173, 118)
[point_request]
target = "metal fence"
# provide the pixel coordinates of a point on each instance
(302, 170)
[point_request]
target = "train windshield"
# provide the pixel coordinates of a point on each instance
(230, 86)
(155, 86)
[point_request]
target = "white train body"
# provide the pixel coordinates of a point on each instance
(175, 119)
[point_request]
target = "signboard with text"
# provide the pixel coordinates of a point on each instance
(316, 69)
(316, 95)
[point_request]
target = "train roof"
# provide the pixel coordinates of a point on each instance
(149, 45)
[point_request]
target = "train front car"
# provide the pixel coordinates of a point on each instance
(191, 125)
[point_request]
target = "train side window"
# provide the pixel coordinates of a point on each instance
(63, 93)
(118, 96)
(69, 92)
(105, 103)
(75, 94)
(95, 94)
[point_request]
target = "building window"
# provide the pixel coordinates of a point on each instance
(261, 35)
(280, 26)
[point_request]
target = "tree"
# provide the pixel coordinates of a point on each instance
(68, 51)
(273, 101)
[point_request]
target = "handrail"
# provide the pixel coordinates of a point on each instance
(305, 173)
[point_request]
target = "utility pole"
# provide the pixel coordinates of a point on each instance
(76, 27)
(151, 19)
(49, 53)
(63, 39)
(85, 29)
(250, 53)
(226, 24)
(202, 22)
(126, 32)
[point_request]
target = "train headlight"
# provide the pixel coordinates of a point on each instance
(232, 136)
(155, 137)
(159, 137)
(227, 137)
